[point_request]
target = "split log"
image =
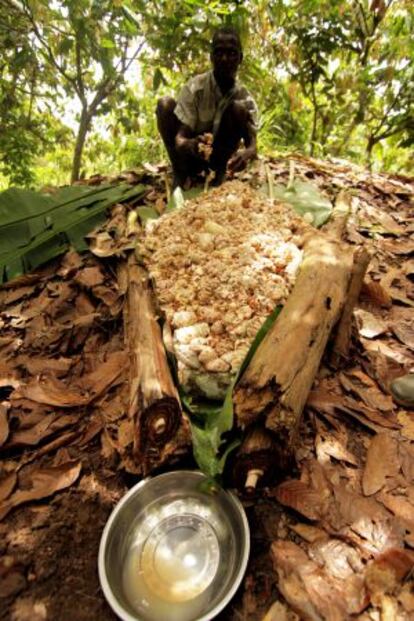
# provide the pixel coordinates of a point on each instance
(255, 464)
(343, 335)
(161, 429)
(276, 384)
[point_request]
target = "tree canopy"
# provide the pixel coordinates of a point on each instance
(79, 79)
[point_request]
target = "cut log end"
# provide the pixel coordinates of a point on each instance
(159, 423)
(253, 477)
(257, 461)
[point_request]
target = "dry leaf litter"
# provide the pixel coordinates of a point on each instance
(341, 528)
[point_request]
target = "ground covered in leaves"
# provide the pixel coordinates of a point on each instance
(333, 541)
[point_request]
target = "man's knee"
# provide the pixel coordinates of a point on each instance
(165, 107)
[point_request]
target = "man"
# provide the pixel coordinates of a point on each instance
(211, 102)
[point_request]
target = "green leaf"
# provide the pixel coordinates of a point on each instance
(305, 198)
(207, 435)
(176, 201)
(158, 79)
(179, 196)
(147, 213)
(42, 227)
(107, 43)
(65, 46)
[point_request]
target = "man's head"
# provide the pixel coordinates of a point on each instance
(226, 53)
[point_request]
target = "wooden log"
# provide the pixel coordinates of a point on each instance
(161, 429)
(340, 350)
(275, 385)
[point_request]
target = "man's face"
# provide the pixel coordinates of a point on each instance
(226, 56)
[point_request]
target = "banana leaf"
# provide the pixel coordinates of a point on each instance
(35, 228)
(209, 448)
(305, 198)
(179, 196)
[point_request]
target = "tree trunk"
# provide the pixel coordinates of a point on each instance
(276, 384)
(370, 145)
(314, 121)
(161, 429)
(84, 126)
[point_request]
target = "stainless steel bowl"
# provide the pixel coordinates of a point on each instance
(173, 549)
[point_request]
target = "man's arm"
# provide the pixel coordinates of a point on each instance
(185, 142)
(240, 158)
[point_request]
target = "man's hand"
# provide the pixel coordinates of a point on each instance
(188, 146)
(240, 159)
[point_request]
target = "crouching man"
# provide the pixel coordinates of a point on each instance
(214, 104)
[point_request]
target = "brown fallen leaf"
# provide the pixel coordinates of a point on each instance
(406, 598)
(368, 324)
(398, 355)
(385, 572)
(382, 369)
(51, 391)
(67, 437)
(112, 409)
(94, 427)
(399, 506)
(14, 295)
(404, 331)
(4, 424)
(382, 462)
(297, 495)
(363, 520)
(406, 420)
(360, 384)
(368, 416)
(84, 304)
(394, 283)
(398, 246)
(328, 444)
(71, 261)
(37, 365)
(326, 401)
(309, 533)
(90, 276)
(98, 381)
(375, 219)
(109, 297)
(338, 558)
(48, 425)
(407, 460)
(9, 379)
(311, 591)
(102, 244)
(126, 433)
(375, 292)
(43, 482)
(278, 612)
(7, 485)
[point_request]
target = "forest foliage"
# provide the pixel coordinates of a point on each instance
(79, 79)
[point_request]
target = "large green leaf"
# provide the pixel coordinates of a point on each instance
(306, 200)
(210, 450)
(35, 228)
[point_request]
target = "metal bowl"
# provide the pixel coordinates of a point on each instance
(174, 549)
